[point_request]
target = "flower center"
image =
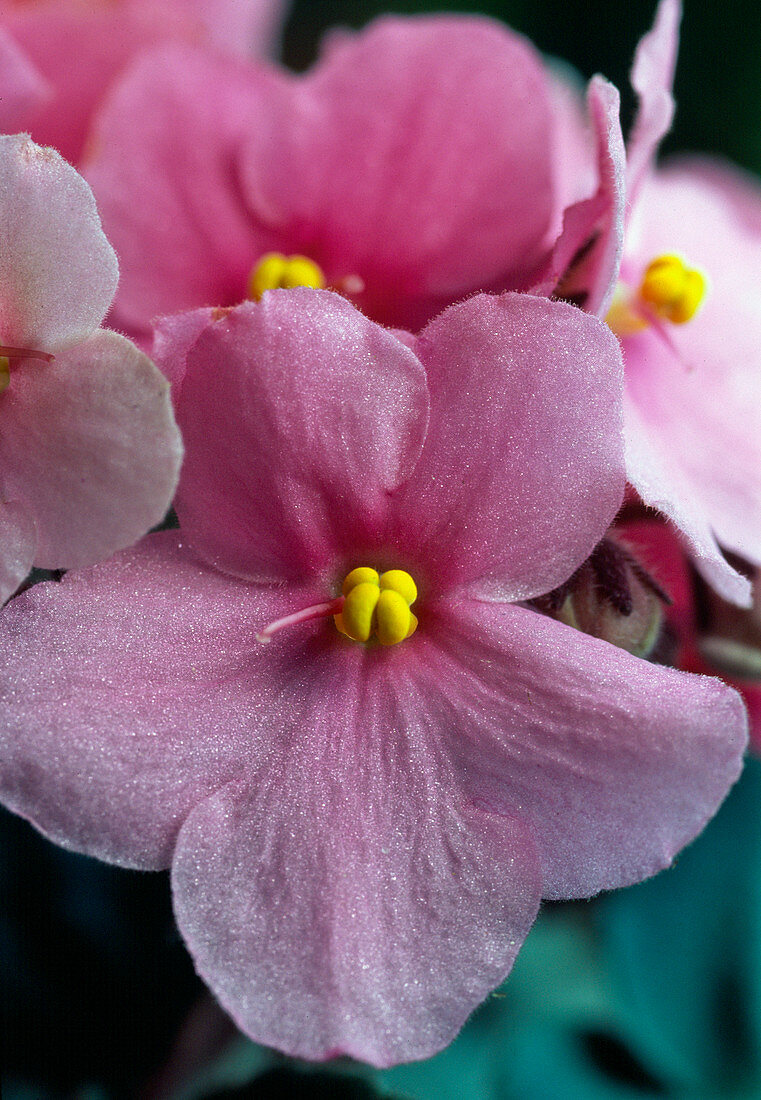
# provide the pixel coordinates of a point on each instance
(377, 606)
(371, 606)
(274, 271)
(669, 291)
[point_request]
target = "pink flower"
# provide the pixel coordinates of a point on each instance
(360, 834)
(23, 90)
(687, 318)
(78, 49)
(415, 164)
(89, 450)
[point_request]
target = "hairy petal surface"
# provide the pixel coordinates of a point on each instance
(614, 762)
(522, 468)
(89, 444)
(18, 539)
(131, 691)
(59, 272)
(346, 898)
(300, 417)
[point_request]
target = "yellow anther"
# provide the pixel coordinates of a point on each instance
(5, 373)
(377, 606)
(278, 272)
(672, 290)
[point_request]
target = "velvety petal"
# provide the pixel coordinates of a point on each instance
(522, 469)
(23, 89)
(658, 479)
(59, 272)
(615, 763)
(446, 188)
(652, 78)
(700, 400)
(584, 263)
(18, 539)
(174, 336)
(164, 170)
(89, 444)
(347, 899)
(300, 417)
(131, 691)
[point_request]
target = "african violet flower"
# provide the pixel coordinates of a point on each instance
(419, 161)
(688, 321)
(77, 49)
(360, 832)
(89, 450)
(23, 90)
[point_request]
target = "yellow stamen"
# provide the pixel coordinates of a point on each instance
(274, 271)
(5, 373)
(673, 290)
(377, 606)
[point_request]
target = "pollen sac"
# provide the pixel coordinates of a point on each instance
(673, 290)
(377, 606)
(274, 271)
(5, 373)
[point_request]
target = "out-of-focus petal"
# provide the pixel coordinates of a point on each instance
(58, 272)
(89, 444)
(132, 691)
(23, 89)
(616, 763)
(301, 417)
(18, 539)
(522, 469)
(349, 900)
(652, 78)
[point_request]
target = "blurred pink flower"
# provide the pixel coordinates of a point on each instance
(360, 834)
(78, 47)
(417, 162)
(89, 450)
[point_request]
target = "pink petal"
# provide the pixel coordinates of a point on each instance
(522, 470)
(173, 337)
(168, 187)
(18, 539)
(696, 453)
(614, 762)
(586, 258)
(652, 78)
(132, 691)
(574, 157)
(300, 417)
(23, 89)
(88, 443)
(59, 272)
(348, 900)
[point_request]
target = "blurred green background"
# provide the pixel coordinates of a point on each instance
(718, 82)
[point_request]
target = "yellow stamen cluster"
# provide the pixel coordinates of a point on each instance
(377, 606)
(673, 290)
(278, 272)
(5, 373)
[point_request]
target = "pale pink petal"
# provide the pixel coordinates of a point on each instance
(614, 762)
(584, 264)
(164, 170)
(18, 539)
(173, 337)
(699, 404)
(301, 417)
(23, 89)
(58, 273)
(574, 153)
(522, 469)
(348, 900)
(131, 691)
(89, 444)
(652, 78)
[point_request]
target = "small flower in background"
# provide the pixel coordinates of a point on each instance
(89, 450)
(77, 49)
(360, 831)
